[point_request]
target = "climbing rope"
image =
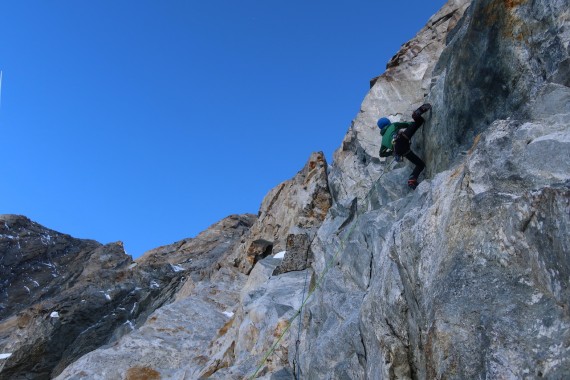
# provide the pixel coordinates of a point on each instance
(298, 341)
(387, 167)
(328, 266)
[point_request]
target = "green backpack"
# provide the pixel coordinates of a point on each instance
(389, 134)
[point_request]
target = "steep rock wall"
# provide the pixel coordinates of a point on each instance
(466, 277)
(395, 94)
(498, 60)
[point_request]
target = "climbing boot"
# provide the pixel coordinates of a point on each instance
(423, 109)
(412, 183)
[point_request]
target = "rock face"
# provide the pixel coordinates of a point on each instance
(289, 217)
(31, 262)
(395, 94)
(206, 276)
(227, 314)
(467, 276)
(345, 273)
(65, 297)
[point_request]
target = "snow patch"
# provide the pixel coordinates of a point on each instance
(536, 298)
(228, 314)
(132, 266)
(54, 314)
(5, 356)
(37, 284)
(46, 239)
(7, 237)
(107, 296)
(27, 289)
(130, 324)
(154, 285)
(177, 268)
(512, 196)
(280, 255)
(134, 308)
(89, 328)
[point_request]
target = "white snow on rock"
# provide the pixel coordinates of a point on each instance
(280, 255)
(54, 314)
(5, 356)
(177, 268)
(130, 324)
(107, 296)
(45, 239)
(132, 266)
(228, 314)
(154, 285)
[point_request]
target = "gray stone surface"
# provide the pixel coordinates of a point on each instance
(498, 60)
(175, 340)
(402, 88)
(467, 276)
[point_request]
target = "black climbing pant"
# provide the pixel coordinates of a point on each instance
(403, 144)
(416, 161)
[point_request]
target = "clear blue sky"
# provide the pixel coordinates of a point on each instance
(147, 121)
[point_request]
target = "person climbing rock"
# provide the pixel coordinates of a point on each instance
(397, 140)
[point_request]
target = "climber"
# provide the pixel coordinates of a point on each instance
(397, 140)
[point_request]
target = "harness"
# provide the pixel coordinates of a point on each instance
(396, 137)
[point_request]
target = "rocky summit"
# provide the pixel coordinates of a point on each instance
(346, 273)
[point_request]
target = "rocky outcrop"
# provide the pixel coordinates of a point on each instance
(31, 262)
(66, 297)
(289, 217)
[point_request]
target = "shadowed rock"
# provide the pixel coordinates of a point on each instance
(65, 297)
